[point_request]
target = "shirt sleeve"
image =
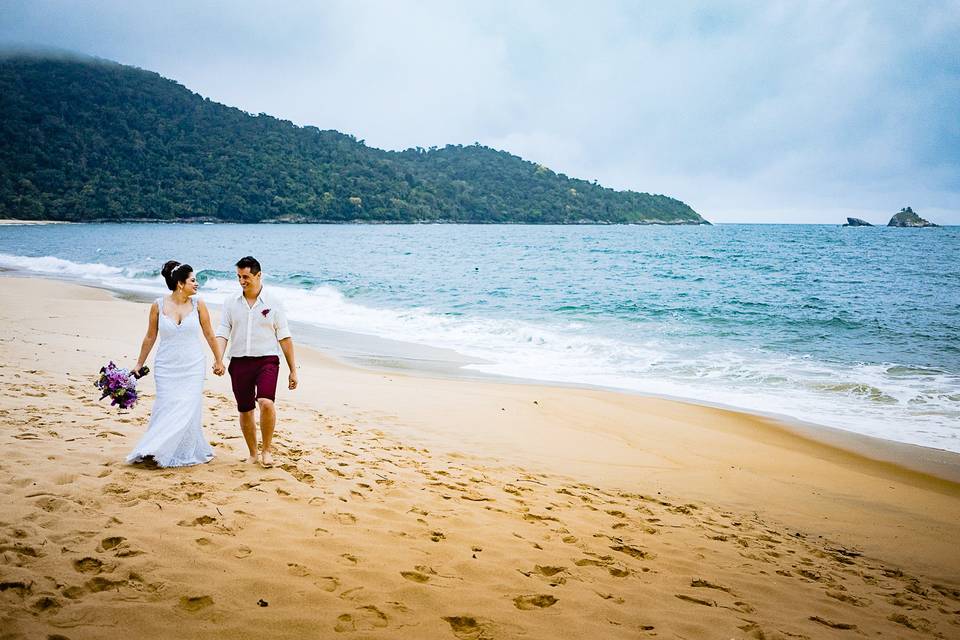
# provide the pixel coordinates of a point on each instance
(226, 322)
(280, 326)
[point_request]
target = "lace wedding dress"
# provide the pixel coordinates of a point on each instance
(175, 437)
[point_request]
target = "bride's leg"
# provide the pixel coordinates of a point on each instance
(248, 425)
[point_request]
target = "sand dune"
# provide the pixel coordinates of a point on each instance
(374, 526)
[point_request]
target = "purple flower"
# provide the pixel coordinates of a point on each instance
(265, 312)
(117, 384)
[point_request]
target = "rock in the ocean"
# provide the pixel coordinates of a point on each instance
(907, 218)
(857, 222)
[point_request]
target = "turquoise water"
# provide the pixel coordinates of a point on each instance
(857, 328)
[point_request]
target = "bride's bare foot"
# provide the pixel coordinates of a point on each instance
(251, 459)
(266, 459)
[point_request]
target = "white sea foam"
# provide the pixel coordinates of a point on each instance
(57, 266)
(918, 409)
(886, 401)
(90, 273)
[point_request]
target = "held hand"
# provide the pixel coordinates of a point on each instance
(218, 368)
(292, 384)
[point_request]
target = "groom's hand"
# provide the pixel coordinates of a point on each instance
(292, 383)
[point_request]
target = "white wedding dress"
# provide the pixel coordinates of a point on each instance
(175, 437)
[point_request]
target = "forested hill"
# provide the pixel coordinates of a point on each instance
(84, 139)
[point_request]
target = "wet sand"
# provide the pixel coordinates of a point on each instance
(417, 506)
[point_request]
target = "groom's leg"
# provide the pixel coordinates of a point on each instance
(243, 380)
(248, 424)
(268, 421)
(266, 392)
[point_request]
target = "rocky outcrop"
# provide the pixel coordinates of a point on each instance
(907, 218)
(857, 222)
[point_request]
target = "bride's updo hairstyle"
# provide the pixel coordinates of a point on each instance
(174, 273)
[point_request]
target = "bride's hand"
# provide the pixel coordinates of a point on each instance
(218, 368)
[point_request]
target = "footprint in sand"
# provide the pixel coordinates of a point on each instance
(849, 599)
(22, 550)
(528, 603)
(195, 603)
(917, 624)
(88, 565)
(551, 573)
(365, 618)
(833, 625)
(703, 584)
(45, 604)
(73, 593)
(110, 543)
(610, 597)
(947, 592)
(52, 504)
(20, 588)
(202, 520)
(241, 552)
(98, 584)
(468, 627)
(415, 576)
(300, 476)
(633, 552)
(327, 583)
(298, 570)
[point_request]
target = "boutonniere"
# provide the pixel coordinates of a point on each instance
(265, 312)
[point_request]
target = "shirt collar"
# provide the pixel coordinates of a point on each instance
(261, 299)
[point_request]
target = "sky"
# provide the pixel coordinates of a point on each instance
(785, 112)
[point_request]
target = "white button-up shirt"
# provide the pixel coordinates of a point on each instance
(256, 330)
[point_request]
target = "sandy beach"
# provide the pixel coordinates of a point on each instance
(428, 507)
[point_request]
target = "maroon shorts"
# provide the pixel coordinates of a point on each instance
(252, 378)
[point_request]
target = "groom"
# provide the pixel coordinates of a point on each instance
(255, 325)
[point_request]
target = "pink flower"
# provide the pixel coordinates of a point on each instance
(265, 312)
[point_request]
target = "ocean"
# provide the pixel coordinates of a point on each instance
(853, 328)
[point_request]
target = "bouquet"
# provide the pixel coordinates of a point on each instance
(119, 384)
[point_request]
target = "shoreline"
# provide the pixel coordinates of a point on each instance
(940, 464)
(407, 358)
(463, 507)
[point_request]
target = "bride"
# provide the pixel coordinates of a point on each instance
(175, 437)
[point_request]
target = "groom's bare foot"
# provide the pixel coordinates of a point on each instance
(266, 459)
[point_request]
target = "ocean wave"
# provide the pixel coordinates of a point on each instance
(205, 275)
(572, 345)
(129, 279)
(57, 266)
(909, 404)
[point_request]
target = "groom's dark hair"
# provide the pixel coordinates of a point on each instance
(249, 262)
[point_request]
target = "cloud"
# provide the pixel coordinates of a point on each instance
(775, 112)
